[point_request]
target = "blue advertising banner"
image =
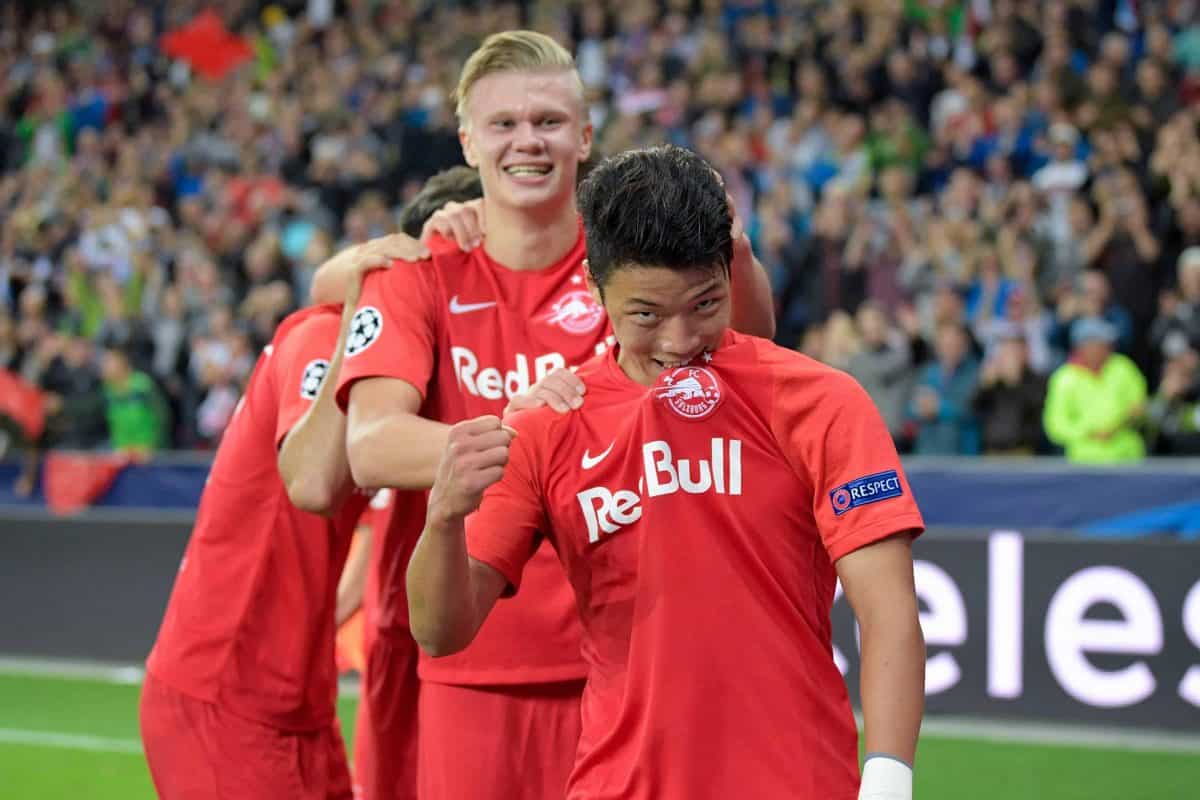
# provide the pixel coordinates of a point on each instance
(1155, 497)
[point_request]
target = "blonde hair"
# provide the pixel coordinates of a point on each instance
(521, 51)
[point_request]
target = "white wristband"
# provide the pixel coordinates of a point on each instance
(885, 778)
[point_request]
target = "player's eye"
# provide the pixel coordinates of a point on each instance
(644, 317)
(502, 124)
(708, 304)
(550, 122)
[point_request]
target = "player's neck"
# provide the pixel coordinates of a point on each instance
(521, 240)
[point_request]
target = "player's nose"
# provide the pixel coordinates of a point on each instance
(526, 137)
(679, 341)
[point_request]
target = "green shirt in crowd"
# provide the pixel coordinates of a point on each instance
(136, 414)
(1082, 405)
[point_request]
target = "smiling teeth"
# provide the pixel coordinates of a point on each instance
(527, 170)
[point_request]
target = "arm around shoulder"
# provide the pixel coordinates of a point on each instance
(312, 456)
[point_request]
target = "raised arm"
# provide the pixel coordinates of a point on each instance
(462, 222)
(450, 594)
(334, 277)
(753, 302)
(312, 458)
(878, 580)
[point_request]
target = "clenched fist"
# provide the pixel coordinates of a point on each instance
(473, 460)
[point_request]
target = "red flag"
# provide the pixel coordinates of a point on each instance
(24, 402)
(72, 480)
(207, 45)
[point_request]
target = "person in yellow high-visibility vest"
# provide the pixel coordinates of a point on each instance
(1096, 400)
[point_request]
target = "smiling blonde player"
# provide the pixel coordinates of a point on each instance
(458, 336)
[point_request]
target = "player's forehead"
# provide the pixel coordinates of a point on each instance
(663, 286)
(525, 93)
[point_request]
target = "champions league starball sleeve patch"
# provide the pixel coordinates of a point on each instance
(364, 330)
(314, 376)
(866, 490)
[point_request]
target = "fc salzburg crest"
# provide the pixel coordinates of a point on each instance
(691, 392)
(576, 312)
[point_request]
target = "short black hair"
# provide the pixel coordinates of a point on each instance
(456, 184)
(658, 207)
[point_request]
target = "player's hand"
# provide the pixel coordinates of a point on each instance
(461, 222)
(562, 390)
(381, 252)
(473, 460)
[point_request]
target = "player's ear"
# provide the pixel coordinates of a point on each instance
(468, 147)
(592, 287)
(585, 142)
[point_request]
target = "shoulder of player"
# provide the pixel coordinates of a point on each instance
(305, 321)
(803, 379)
(399, 273)
(537, 429)
(446, 254)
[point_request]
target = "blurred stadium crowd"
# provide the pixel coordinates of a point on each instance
(967, 204)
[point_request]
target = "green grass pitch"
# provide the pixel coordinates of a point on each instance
(69, 738)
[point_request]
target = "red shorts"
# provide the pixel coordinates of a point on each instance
(498, 742)
(198, 751)
(385, 733)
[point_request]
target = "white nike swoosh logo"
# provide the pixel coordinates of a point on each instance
(464, 308)
(591, 461)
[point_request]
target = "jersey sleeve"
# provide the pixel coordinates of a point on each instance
(831, 431)
(506, 529)
(392, 334)
(300, 365)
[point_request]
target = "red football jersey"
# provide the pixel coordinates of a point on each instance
(250, 623)
(469, 333)
(698, 522)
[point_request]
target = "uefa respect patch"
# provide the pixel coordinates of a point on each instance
(866, 490)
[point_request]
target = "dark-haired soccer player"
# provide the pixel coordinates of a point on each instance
(703, 501)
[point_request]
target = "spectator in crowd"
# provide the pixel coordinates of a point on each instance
(842, 342)
(1091, 297)
(1008, 400)
(1095, 401)
(63, 366)
(940, 408)
(136, 413)
(1173, 414)
(1177, 326)
(1061, 178)
(74, 400)
(884, 367)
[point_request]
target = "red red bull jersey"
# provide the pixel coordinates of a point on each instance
(699, 522)
(250, 623)
(469, 334)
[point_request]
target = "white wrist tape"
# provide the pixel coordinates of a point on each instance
(885, 778)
